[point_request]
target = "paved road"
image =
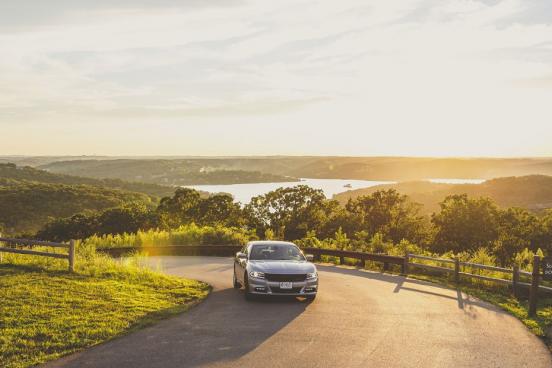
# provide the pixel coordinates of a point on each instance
(360, 319)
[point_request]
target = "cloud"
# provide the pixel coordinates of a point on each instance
(423, 62)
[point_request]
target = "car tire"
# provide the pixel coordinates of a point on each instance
(246, 293)
(237, 285)
(310, 298)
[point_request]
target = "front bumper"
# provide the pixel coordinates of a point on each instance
(299, 288)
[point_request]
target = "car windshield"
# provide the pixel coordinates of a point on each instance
(276, 252)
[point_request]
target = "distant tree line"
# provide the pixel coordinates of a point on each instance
(386, 220)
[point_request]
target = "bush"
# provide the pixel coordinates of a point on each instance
(191, 234)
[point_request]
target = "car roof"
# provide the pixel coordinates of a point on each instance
(264, 242)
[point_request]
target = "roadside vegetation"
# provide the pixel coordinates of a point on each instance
(382, 222)
(47, 312)
(190, 234)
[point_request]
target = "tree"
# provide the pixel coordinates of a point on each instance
(181, 208)
(389, 213)
(289, 212)
(127, 219)
(465, 224)
(518, 229)
(219, 209)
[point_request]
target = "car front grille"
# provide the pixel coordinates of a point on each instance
(285, 278)
(277, 290)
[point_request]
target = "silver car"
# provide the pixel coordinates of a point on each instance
(275, 268)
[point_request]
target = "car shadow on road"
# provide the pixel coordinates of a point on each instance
(223, 328)
(402, 283)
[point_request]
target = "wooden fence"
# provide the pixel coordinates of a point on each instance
(18, 243)
(456, 267)
(407, 264)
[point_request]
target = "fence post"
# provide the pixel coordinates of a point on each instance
(341, 260)
(405, 265)
(456, 270)
(385, 266)
(316, 256)
(533, 293)
(72, 255)
(515, 281)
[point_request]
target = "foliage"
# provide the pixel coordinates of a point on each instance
(47, 312)
(131, 218)
(390, 214)
(465, 224)
(26, 206)
(187, 206)
(384, 221)
(190, 234)
(289, 212)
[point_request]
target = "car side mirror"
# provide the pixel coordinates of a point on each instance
(241, 255)
(309, 257)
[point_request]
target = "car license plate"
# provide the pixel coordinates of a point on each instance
(286, 285)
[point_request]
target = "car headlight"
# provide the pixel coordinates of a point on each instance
(312, 276)
(257, 275)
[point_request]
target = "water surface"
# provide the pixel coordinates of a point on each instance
(244, 192)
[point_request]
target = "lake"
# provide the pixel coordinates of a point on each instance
(244, 192)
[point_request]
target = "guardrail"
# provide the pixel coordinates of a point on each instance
(360, 256)
(70, 256)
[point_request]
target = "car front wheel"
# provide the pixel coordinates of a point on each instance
(236, 283)
(247, 294)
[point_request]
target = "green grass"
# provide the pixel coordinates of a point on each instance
(47, 312)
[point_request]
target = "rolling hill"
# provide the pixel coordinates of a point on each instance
(165, 172)
(231, 170)
(27, 173)
(25, 206)
(533, 192)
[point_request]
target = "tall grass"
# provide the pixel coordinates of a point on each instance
(191, 234)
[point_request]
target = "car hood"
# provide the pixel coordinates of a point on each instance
(282, 267)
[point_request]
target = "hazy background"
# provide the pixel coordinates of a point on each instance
(416, 77)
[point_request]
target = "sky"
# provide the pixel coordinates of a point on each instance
(286, 77)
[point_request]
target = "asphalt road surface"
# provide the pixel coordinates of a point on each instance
(359, 319)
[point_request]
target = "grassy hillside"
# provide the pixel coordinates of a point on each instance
(25, 206)
(11, 171)
(533, 192)
(48, 313)
(167, 172)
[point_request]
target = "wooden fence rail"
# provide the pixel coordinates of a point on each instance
(533, 286)
(70, 256)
